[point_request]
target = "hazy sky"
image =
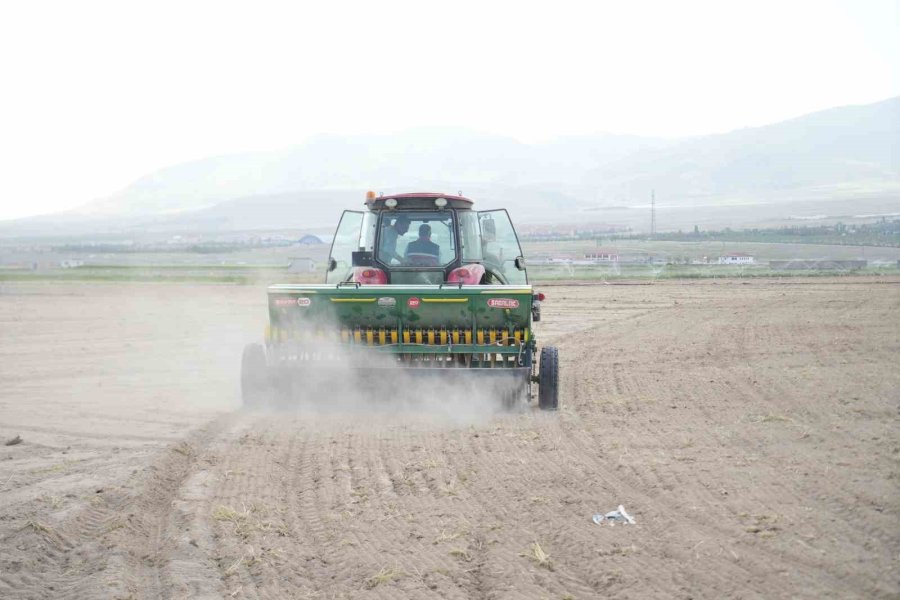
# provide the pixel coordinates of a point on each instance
(96, 94)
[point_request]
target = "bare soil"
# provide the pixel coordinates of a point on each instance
(751, 428)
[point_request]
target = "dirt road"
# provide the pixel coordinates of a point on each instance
(750, 427)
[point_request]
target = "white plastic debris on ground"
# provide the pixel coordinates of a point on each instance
(616, 516)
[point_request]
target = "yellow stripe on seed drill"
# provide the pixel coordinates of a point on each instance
(445, 300)
(353, 299)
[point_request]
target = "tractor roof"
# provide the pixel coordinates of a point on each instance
(416, 200)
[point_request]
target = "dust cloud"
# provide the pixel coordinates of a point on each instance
(323, 376)
(361, 384)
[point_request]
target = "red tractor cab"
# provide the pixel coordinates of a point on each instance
(425, 238)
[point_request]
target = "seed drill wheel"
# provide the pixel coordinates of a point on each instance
(548, 379)
(255, 389)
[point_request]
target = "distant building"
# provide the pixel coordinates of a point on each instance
(301, 265)
(603, 255)
(309, 240)
(737, 258)
(70, 263)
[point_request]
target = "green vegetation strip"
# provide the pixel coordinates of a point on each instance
(589, 273)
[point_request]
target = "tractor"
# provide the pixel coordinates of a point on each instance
(419, 282)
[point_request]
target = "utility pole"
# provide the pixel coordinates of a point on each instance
(652, 213)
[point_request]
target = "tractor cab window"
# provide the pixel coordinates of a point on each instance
(470, 238)
(347, 240)
(367, 232)
(502, 254)
(417, 239)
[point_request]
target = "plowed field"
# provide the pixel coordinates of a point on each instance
(751, 428)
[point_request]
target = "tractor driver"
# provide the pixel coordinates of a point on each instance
(388, 249)
(423, 251)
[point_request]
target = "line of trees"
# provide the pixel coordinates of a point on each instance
(884, 232)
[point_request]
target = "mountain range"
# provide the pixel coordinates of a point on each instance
(840, 154)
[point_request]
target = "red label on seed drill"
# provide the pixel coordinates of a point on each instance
(503, 303)
(293, 301)
(413, 302)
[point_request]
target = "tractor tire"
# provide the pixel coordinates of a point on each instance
(255, 386)
(548, 379)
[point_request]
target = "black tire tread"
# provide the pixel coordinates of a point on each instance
(548, 379)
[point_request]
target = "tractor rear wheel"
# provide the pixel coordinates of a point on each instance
(255, 388)
(548, 379)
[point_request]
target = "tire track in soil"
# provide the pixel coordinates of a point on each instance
(164, 542)
(645, 473)
(504, 464)
(765, 394)
(415, 494)
(476, 568)
(759, 495)
(785, 404)
(325, 484)
(299, 505)
(428, 492)
(384, 518)
(244, 501)
(649, 471)
(121, 544)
